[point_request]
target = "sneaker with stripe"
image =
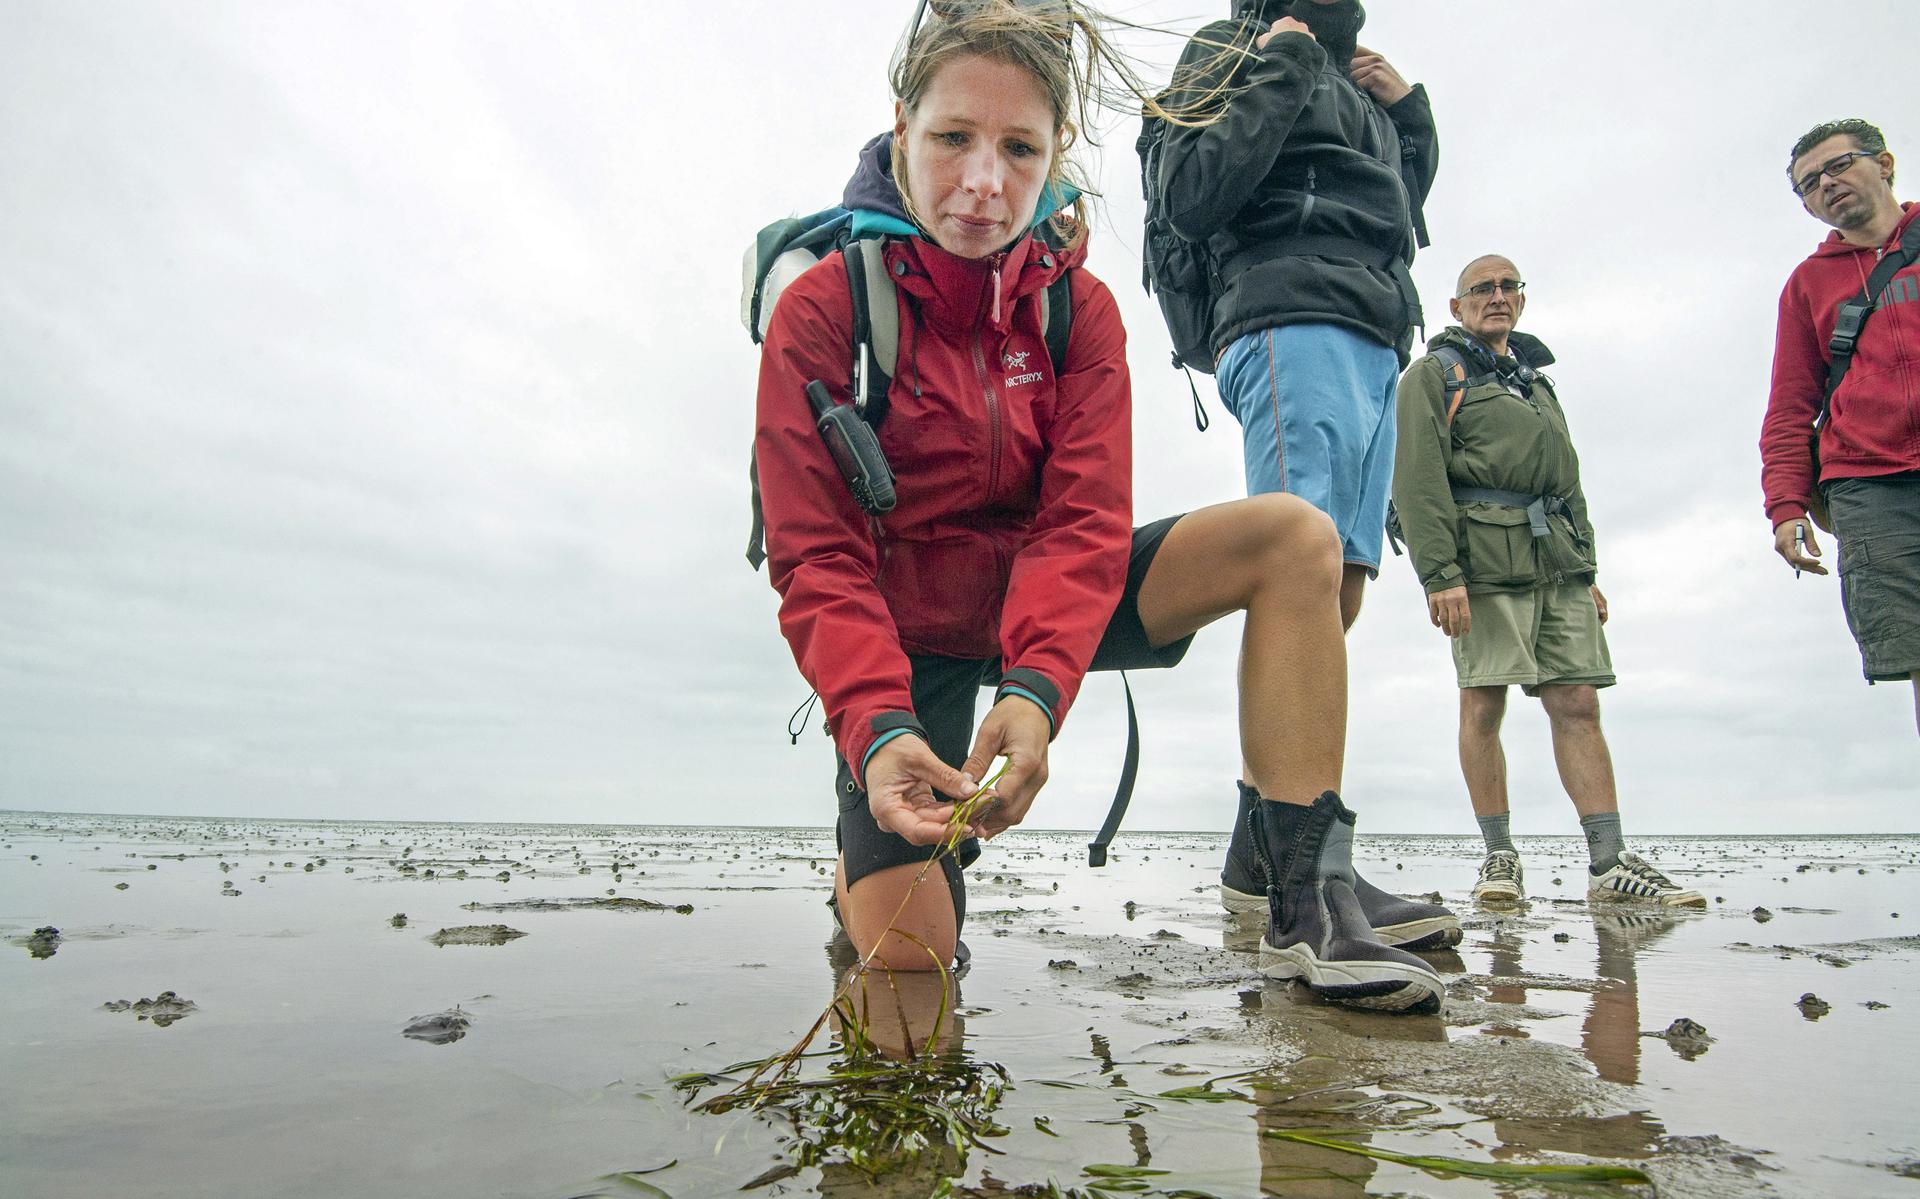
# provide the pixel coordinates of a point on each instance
(1633, 879)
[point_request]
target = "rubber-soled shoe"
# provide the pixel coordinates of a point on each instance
(1316, 929)
(1632, 878)
(1407, 923)
(1501, 878)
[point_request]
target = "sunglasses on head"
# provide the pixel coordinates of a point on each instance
(949, 9)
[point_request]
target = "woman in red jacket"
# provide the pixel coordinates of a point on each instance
(1009, 560)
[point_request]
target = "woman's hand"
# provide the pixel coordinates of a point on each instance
(1017, 730)
(902, 776)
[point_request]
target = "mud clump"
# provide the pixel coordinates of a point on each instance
(1812, 1006)
(1761, 915)
(1686, 1037)
(476, 934)
(44, 943)
(441, 1028)
(611, 904)
(1062, 964)
(163, 1009)
(399, 920)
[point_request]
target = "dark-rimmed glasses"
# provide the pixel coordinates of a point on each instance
(1833, 168)
(1481, 291)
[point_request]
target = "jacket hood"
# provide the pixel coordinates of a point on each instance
(874, 198)
(1835, 245)
(1525, 347)
(1335, 26)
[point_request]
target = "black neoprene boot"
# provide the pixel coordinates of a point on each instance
(1407, 923)
(1316, 929)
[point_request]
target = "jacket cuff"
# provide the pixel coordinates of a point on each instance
(1446, 578)
(1035, 687)
(1414, 106)
(881, 729)
(1785, 511)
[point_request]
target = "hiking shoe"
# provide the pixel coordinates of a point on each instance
(1317, 931)
(1406, 923)
(1633, 879)
(1500, 878)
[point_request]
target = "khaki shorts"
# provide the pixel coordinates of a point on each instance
(1533, 638)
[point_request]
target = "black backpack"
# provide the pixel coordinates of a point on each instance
(786, 249)
(1180, 275)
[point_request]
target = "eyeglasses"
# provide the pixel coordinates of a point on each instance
(1833, 169)
(1481, 291)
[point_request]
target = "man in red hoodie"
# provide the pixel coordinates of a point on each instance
(1869, 447)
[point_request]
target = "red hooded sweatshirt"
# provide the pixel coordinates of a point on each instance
(1874, 426)
(1011, 532)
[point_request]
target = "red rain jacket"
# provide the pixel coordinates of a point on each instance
(1874, 428)
(1011, 533)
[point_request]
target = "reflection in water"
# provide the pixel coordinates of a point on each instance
(1318, 1094)
(1611, 1035)
(1310, 1171)
(1609, 1039)
(907, 1017)
(897, 1012)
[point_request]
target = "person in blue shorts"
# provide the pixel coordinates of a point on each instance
(1307, 192)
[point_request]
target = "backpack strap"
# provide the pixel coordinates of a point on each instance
(1453, 372)
(876, 326)
(1123, 794)
(1852, 316)
(1056, 320)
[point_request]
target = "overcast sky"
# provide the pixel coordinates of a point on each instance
(374, 409)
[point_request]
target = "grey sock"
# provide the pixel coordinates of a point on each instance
(1603, 840)
(1494, 829)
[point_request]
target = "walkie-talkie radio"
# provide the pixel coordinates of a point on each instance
(855, 450)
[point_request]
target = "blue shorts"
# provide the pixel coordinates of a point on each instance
(1315, 405)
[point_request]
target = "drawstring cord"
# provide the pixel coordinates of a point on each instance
(797, 723)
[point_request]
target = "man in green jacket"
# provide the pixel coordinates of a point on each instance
(1487, 489)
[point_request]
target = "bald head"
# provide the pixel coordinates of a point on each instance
(1488, 300)
(1491, 265)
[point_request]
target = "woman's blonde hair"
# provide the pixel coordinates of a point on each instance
(1061, 43)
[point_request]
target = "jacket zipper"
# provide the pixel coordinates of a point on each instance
(986, 384)
(993, 415)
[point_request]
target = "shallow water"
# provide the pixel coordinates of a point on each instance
(291, 1075)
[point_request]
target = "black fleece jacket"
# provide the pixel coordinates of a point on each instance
(1300, 150)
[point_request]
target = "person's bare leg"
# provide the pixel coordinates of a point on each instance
(1353, 589)
(868, 908)
(1483, 762)
(1579, 747)
(1277, 558)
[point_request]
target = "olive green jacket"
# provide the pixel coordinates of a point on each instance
(1496, 439)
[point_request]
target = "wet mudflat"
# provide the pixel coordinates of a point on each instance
(1112, 1034)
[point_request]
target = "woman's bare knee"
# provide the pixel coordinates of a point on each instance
(914, 926)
